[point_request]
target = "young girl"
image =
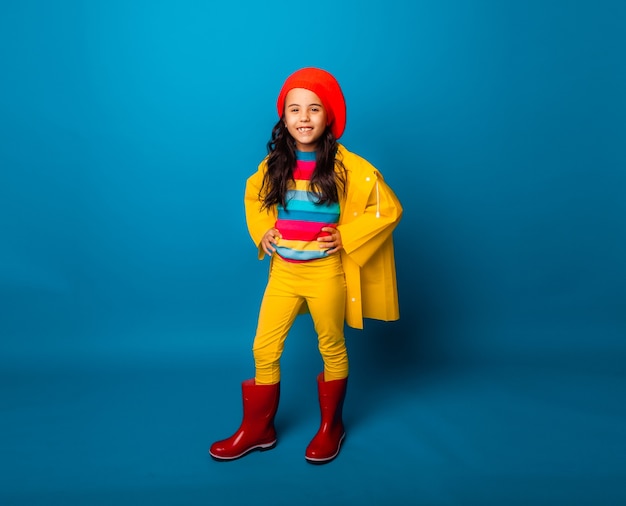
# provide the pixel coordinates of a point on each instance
(325, 217)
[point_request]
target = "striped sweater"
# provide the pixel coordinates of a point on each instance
(301, 223)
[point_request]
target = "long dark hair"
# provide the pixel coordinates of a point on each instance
(327, 182)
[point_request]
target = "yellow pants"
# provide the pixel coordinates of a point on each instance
(322, 286)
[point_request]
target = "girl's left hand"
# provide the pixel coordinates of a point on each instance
(332, 242)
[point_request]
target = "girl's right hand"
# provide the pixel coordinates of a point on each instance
(269, 241)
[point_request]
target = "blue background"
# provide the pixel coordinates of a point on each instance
(130, 288)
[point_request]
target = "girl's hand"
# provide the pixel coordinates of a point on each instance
(269, 241)
(332, 242)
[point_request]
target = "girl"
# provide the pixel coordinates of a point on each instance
(325, 217)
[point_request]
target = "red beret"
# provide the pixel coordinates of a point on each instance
(325, 86)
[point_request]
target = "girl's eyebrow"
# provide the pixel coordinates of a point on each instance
(310, 105)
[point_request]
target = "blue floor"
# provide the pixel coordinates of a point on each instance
(137, 432)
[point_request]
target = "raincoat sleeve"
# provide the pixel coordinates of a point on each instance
(258, 220)
(372, 212)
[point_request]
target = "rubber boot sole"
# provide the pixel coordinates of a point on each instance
(261, 447)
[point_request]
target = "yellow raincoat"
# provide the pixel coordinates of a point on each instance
(369, 213)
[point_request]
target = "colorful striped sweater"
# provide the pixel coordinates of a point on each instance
(301, 223)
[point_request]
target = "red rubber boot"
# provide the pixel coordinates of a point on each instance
(256, 432)
(326, 444)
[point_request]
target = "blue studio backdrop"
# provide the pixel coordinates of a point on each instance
(129, 287)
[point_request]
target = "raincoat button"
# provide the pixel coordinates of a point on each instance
(353, 299)
(355, 213)
(367, 178)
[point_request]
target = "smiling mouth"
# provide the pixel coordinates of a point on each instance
(304, 130)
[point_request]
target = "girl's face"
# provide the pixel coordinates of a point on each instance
(305, 118)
